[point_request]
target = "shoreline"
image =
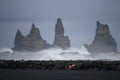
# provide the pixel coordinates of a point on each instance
(82, 65)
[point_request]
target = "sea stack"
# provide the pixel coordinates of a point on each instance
(103, 41)
(33, 41)
(60, 40)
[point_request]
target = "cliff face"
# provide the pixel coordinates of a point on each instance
(33, 41)
(60, 40)
(103, 41)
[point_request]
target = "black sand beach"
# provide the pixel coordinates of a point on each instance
(59, 70)
(14, 74)
(89, 65)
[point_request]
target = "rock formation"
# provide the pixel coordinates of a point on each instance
(33, 41)
(103, 41)
(60, 40)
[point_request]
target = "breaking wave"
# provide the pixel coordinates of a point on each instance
(3, 50)
(57, 54)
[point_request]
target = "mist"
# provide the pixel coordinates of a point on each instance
(79, 20)
(57, 54)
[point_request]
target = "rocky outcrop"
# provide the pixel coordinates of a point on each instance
(103, 41)
(33, 41)
(60, 40)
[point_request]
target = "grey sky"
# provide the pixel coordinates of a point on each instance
(79, 18)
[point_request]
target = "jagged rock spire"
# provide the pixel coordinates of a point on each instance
(35, 33)
(103, 41)
(17, 40)
(18, 33)
(59, 30)
(60, 40)
(33, 41)
(102, 28)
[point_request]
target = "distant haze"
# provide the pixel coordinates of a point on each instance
(79, 19)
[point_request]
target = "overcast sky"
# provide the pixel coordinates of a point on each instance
(79, 19)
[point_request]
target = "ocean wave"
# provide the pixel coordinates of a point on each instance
(6, 50)
(57, 54)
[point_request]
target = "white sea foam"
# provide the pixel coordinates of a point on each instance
(58, 54)
(3, 50)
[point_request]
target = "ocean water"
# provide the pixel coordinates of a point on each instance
(57, 54)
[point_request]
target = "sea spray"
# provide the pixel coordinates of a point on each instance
(57, 54)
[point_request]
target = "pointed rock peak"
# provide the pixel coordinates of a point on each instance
(102, 28)
(18, 33)
(33, 24)
(33, 27)
(59, 29)
(98, 24)
(34, 33)
(59, 20)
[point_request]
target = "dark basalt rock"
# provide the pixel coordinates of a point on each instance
(33, 41)
(103, 41)
(60, 40)
(61, 65)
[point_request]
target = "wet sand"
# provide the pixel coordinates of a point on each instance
(17, 74)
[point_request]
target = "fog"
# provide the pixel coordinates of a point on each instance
(79, 20)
